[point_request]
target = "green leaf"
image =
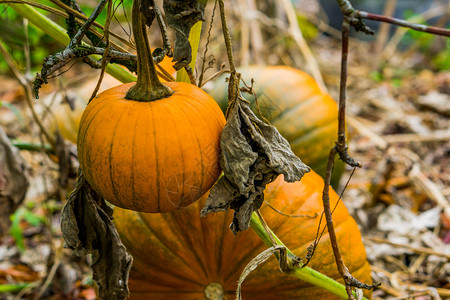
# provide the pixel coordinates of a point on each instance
(13, 288)
(15, 230)
(194, 40)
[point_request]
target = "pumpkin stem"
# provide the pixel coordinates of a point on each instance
(148, 87)
(214, 291)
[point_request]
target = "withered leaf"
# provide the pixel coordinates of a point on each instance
(13, 181)
(87, 229)
(253, 154)
(181, 15)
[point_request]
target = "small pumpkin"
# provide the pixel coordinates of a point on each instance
(292, 101)
(152, 156)
(179, 255)
(67, 120)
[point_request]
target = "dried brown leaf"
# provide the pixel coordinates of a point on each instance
(181, 15)
(253, 154)
(13, 181)
(88, 229)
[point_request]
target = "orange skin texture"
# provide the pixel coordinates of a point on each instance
(293, 102)
(68, 120)
(153, 156)
(176, 255)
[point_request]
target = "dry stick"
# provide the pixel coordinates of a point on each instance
(341, 149)
(226, 36)
(245, 33)
(403, 23)
(105, 53)
(419, 250)
(290, 215)
(355, 18)
(300, 40)
(203, 69)
(167, 49)
(255, 35)
(383, 33)
(233, 85)
(82, 31)
(388, 51)
(28, 93)
(84, 18)
(215, 75)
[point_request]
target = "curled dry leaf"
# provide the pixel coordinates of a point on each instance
(86, 224)
(13, 181)
(253, 264)
(253, 154)
(181, 15)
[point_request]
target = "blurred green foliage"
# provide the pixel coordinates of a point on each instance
(12, 32)
(423, 42)
(309, 30)
(23, 214)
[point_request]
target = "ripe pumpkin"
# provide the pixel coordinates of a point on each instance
(292, 101)
(67, 120)
(178, 255)
(152, 156)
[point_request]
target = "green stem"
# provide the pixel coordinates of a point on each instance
(23, 145)
(306, 274)
(13, 288)
(148, 86)
(60, 35)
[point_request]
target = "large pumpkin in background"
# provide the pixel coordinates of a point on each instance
(292, 101)
(178, 255)
(152, 156)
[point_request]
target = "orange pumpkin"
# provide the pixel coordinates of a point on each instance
(178, 255)
(152, 156)
(67, 120)
(292, 101)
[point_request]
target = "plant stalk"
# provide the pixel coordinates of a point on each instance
(303, 273)
(148, 87)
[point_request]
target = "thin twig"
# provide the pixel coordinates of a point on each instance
(296, 33)
(255, 35)
(49, 278)
(84, 18)
(227, 37)
(222, 70)
(190, 74)
(419, 250)
(403, 23)
(202, 70)
(233, 84)
(355, 19)
(289, 215)
(105, 54)
(167, 49)
(85, 27)
(341, 149)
